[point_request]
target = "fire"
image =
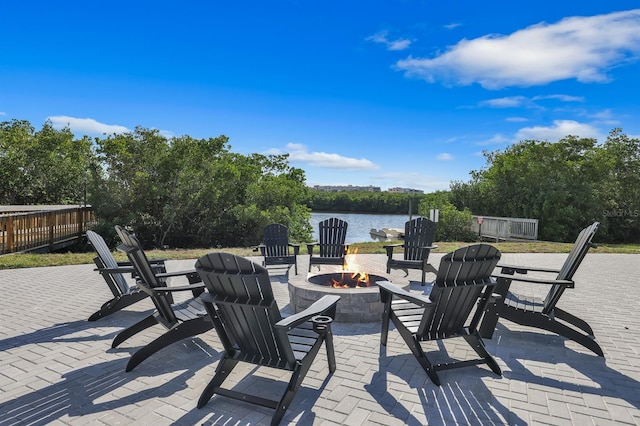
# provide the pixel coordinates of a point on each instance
(352, 268)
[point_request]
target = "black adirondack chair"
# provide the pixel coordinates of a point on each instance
(181, 320)
(276, 248)
(245, 315)
(418, 243)
(542, 312)
(113, 273)
(463, 281)
(331, 245)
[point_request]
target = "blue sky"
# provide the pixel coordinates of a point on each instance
(388, 93)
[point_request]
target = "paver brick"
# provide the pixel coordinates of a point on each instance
(57, 367)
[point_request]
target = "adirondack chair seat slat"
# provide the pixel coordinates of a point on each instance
(462, 284)
(538, 312)
(253, 330)
(418, 243)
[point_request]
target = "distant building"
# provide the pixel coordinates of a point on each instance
(346, 188)
(405, 190)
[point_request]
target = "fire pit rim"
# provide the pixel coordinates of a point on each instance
(373, 279)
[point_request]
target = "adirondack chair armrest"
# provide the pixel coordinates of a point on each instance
(196, 286)
(295, 247)
(566, 283)
(393, 290)
(122, 270)
(151, 261)
(191, 274)
(310, 247)
(319, 307)
(389, 248)
(525, 269)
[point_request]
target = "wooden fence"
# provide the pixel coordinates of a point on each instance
(42, 231)
(505, 228)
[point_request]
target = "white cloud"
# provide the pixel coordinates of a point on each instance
(560, 129)
(605, 117)
(581, 48)
(516, 119)
(300, 153)
(381, 37)
(85, 125)
(445, 156)
(497, 139)
(506, 102)
(3, 113)
(523, 101)
(452, 25)
(563, 98)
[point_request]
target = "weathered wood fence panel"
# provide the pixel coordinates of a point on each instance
(43, 231)
(505, 228)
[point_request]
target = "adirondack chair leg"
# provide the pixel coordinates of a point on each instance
(573, 320)
(181, 331)
(475, 341)
(545, 323)
(149, 321)
(495, 306)
(418, 352)
(384, 332)
(571, 334)
(322, 326)
(225, 366)
(116, 304)
(428, 367)
(294, 384)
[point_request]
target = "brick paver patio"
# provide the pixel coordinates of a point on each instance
(58, 368)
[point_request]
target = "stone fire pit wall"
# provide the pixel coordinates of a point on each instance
(356, 305)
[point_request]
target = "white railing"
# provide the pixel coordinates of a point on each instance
(505, 228)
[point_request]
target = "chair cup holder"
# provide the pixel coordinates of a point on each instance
(321, 323)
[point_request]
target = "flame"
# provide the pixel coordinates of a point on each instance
(351, 265)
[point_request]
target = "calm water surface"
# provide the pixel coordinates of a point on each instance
(360, 224)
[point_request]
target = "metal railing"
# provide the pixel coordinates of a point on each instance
(43, 231)
(505, 228)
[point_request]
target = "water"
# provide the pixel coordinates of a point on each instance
(360, 224)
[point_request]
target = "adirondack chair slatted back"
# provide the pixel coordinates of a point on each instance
(147, 278)
(462, 276)
(105, 260)
(578, 252)
(418, 233)
(276, 240)
(332, 235)
(246, 311)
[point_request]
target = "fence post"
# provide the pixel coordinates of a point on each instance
(51, 224)
(9, 234)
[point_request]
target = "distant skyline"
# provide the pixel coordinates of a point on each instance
(404, 93)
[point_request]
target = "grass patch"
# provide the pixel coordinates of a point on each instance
(14, 261)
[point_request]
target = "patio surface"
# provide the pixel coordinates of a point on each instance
(58, 368)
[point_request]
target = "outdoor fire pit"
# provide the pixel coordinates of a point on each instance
(358, 302)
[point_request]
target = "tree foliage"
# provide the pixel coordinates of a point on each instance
(453, 224)
(186, 192)
(178, 192)
(566, 185)
(47, 166)
(364, 202)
